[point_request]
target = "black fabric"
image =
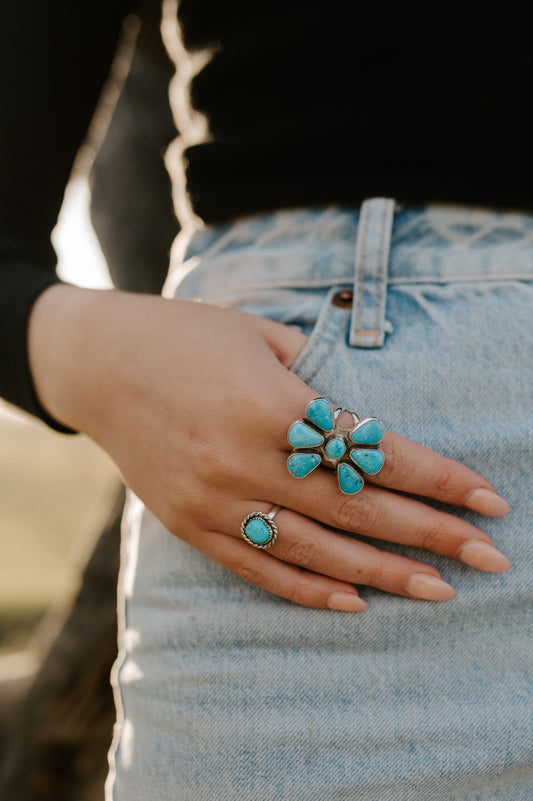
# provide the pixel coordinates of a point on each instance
(311, 103)
(308, 104)
(131, 206)
(54, 58)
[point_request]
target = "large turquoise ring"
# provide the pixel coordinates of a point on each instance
(354, 452)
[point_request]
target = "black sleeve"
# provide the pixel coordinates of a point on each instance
(54, 60)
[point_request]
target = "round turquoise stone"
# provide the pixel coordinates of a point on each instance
(335, 448)
(258, 531)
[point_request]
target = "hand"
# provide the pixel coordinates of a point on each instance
(193, 402)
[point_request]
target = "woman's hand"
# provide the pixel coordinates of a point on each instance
(193, 402)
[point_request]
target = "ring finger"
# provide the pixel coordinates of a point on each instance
(306, 544)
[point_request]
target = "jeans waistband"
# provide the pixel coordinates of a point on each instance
(367, 249)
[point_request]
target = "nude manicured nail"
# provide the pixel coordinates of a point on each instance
(346, 602)
(487, 502)
(428, 588)
(477, 553)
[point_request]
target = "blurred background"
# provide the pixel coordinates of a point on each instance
(56, 491)
(60, 496)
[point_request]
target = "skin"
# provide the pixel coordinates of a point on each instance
(138, 374)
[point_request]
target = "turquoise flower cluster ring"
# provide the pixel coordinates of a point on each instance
(318, 439)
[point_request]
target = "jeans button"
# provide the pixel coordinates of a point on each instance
(343, 299)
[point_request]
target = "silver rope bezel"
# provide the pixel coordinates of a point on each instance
(268, 521)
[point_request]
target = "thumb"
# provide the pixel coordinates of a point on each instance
(285, 341)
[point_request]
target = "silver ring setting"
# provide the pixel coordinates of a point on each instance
(317, 439)
(259, 529)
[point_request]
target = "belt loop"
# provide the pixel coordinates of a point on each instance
(367, 328)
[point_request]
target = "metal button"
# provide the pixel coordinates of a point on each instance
(343, 299)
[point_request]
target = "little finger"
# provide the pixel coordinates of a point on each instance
(264, 570)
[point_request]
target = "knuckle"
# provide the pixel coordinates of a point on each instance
(200, 513)
(366, 517)
(345, 512)
(435, 536)
(372, 575)
(394, 464)
(301, 591)
(300, 552)
(195, 507)
(171, 516)
(444, 479)
(215, 468)
(252, 572)
(375, 572)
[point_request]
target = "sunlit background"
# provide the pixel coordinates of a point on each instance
(55, 490)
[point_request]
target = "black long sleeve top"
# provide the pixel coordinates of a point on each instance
(308, 103)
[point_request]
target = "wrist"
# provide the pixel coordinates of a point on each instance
(63, 351)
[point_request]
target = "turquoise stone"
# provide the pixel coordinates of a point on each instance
(335, 448)
(258, 531)
(301, 464)
(369, 432)
(350, 481)
(319, 412)
(368, 460)
(302, 436)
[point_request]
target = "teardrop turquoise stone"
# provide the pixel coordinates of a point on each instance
(301, 464)
(369, 432)
(258, 531)
(302, 436)
(350, 481)
(368, 460)
(335, 448)
(319, 412)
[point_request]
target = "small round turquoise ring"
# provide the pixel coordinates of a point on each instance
(259, 529)
(354, 452)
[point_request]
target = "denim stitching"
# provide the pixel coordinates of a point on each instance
(361, 271)
(397, 280)
(379, 279)
(328, 354)
(318, 333)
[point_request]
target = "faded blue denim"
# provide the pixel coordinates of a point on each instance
(232, 694)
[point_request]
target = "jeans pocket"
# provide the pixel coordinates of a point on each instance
(329, 329)
(322, 315)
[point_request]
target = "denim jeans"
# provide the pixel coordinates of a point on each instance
(424, 318)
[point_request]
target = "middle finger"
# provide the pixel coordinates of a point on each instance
(386, 515)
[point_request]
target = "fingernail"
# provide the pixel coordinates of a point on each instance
(477, 553)
(428, 588)
(487, 502)
(346, 602)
